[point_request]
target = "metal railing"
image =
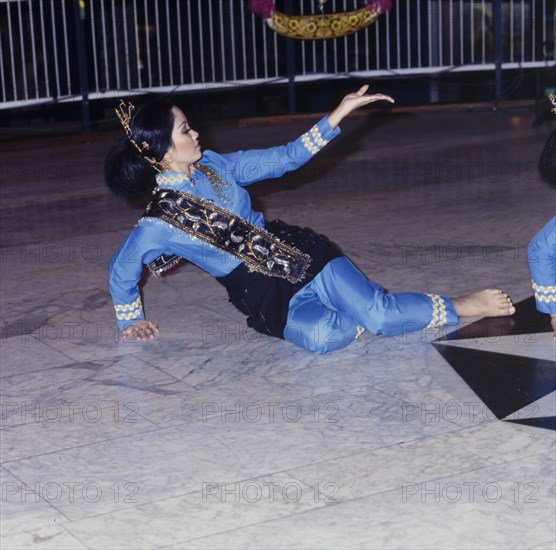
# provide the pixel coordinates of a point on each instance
(70, 50)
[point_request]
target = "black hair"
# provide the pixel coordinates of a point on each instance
(126, 170)
(547, 160)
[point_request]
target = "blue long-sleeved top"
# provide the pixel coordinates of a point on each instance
(542, 264)
(152, 237)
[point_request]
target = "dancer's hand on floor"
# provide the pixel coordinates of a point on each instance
(142, 330)
(354, 101)
(553, 323)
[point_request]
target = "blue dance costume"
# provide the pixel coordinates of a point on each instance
(325, 312)
(542, 264)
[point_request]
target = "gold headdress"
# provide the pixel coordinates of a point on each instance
(552, 99)
(123, 112)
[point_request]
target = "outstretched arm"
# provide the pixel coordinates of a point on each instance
(124, 273)
(353, 101)
(247, 167)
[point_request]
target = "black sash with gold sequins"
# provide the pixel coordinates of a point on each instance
(265, 300)
(258, 249)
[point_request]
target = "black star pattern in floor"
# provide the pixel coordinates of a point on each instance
(510, 364)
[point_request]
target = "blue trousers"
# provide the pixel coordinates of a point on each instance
(330, 311)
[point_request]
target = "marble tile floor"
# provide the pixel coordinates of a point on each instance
(213, 436)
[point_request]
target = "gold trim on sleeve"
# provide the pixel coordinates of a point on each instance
(544, 289)
(125, 312)
(546, 299)
(129, 316)
(439, 315)
(317, 137)
(129, 307)
(313, 149)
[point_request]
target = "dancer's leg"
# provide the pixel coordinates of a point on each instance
(328, 312)
(314, 326)
(341, 286)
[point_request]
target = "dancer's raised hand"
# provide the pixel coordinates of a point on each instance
(354, 101)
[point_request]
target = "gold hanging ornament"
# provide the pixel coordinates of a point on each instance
(319, 26)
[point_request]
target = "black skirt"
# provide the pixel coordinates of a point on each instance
(265, 299)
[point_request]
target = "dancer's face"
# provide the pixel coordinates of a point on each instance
(185, 148)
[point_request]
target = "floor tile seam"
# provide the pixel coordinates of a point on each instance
(179, 495)
(175, 496)
(320, 493)
(156, 428)
(487, 466)
(408, 442)
(248, 377)
(77, 537)
(443, 477)
(71, 310)
(131, 506)
(278, 387)
(95, 361)
(249, 525)
(91, 359)
(475, 346)
(213, 418)
(403, 400)
(421, 479)
(4, 427)
(505, 425)
(32, 532)
(49, 504)
(280, 518)
(367, 375)
(549, 456)
(372, 495)
(161, 370)
(203, 387)
(546, 434)
(192, 421)
(71, 359)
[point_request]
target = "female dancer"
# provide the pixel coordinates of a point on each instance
(291, 282)
(542, 248)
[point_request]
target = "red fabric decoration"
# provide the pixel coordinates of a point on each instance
(379, 6)
(263, 8)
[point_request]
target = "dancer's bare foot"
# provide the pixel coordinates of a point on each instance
(490, 302)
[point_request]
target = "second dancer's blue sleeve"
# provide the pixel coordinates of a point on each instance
(542, 264)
